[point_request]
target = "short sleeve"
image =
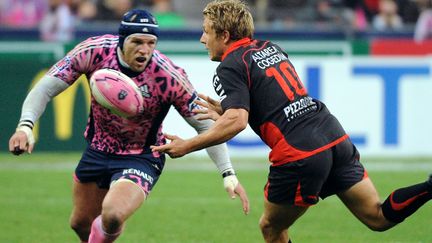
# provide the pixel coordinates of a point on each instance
(232, 87)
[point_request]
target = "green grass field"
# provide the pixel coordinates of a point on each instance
(189, 204)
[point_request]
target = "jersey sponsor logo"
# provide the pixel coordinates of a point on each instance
(145, 91)
(268, 57)
(138, 173)
(217, 85)
(264, 53)
(299, 108)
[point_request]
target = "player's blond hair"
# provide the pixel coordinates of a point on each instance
(232, 16)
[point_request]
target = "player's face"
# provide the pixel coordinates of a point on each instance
(138, 50)
(214, 44)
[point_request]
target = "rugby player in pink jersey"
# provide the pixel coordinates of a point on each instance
(118, 170)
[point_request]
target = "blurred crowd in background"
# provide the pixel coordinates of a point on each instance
(57, 20)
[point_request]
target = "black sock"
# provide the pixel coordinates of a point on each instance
(405, 201)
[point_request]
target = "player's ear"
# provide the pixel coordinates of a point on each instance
(226, 36)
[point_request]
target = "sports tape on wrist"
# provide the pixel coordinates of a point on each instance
(228, 172)
(29, 133)
(230, 182)
(26, 123)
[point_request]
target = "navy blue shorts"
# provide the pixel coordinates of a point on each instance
(104, 168)
(303, 182)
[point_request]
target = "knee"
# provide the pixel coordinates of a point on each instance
(272, 232)
(377, 228)
(266, 226)
(112, 219)
(378, 223)
(81, 225)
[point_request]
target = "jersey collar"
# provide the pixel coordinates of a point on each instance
(235, 45)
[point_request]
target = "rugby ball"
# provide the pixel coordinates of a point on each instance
(117, 92)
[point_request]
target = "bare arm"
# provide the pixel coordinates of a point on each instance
(232, 122)
(218, 153)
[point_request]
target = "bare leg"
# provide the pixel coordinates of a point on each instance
(87, 205)
(276, 220)
(363, 201)
(122, 200)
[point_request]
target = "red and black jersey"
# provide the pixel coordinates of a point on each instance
(258, 76)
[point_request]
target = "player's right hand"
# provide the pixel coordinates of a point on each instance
(21, 141)
(175, 149)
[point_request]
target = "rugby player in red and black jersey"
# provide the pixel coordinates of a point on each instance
(312, 157)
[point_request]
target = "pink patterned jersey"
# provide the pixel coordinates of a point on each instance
(162, 84)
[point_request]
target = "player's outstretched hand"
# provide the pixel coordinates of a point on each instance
(234, 188)
(175, 149)
(20, 142)
(209, 108)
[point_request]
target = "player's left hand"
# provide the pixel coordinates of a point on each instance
(209, 108)
(233, 187)
(175, 149)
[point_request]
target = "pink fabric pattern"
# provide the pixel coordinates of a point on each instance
(162, 84)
